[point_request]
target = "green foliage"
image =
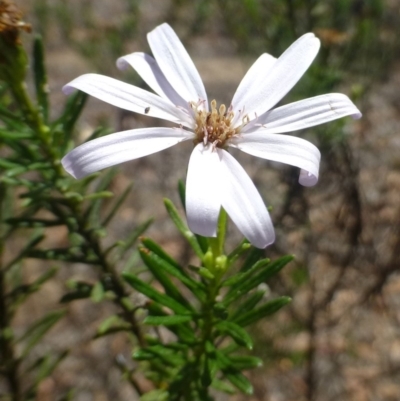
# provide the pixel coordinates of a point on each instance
(40, 78)
(36, 195)
(35, 332)
(203, 324)
(181, 226)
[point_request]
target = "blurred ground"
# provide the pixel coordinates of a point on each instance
(340, 339)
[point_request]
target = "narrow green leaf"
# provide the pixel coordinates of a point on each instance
(166, 355)
(161, 261)
(114, 330)
(81, 290)
(24, 150)
(76, 196)
(154, 247)
(109, 322)
(178, 346)
(49, 364)
(40, 77)
(155, 395)
(236, 278)
(97, 293)
(20, 293)
(99, 195)
(39, 191)
(35, 333)
(203, 242)
(224, 363)
(265, 310)
(248, 304)
(143, 355)
(243, 247)
(16, 171)
(156, 265)
(206, 375)
(220, 311)
(210, 348)
(182, 193)
(113, 324)
(223, 386)
(98, 132)
(233, 374)
(181, 226)
(4, 134)
(132, 261)
(245, 362)
(63, 254)
(170, 320)
(44, 367)
(36, 239)
(238, 334)
(264, 270)
(92, 213)
(205, 273)
(254, 255)
(72, 111)
(153, 294)
(32, 223)
(184, 332)
(10, 181)
(259, 273)
(241, 283)
(134, 235)
(7, 115)
(239, 381)
(209, 368)
(47, 275)
(9, 164)
(117, 205)
(221, 230)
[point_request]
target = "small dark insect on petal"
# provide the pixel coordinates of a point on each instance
(146, 110)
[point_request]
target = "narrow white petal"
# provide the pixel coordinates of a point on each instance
(150, 72)
(128, 97)
(243, 203)
(203, 202)
(282, 148)
(251, 82)
(307, 179)
(120, 147)
(304, 114)
(176, 64)
(283, 75)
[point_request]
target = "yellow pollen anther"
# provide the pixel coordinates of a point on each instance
(214, 126)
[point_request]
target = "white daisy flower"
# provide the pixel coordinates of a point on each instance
(215, 179)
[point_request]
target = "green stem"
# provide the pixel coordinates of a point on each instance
(118, 285)
(8, 361)
(207, 329)
(207, 309)
(35, 121)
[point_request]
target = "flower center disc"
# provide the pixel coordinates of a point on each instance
(213, 126)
